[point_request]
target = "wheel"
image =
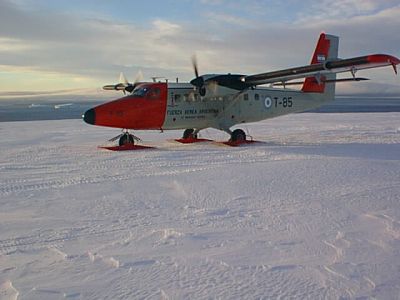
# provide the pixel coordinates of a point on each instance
(238, 135)
(126, 139)
(188, 134)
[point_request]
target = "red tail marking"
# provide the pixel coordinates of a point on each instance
(320, 55)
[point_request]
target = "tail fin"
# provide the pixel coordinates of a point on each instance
(326, 49)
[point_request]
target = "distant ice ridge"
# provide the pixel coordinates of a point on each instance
(20, 107)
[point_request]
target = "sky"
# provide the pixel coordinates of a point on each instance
(48, 45)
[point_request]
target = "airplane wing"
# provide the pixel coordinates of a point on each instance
(328, 67)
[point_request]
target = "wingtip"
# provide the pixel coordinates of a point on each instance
(383, 58)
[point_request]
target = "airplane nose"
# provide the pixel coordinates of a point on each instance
(89, 116)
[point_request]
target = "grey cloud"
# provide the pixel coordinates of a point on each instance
(101, 48)
(15, 22)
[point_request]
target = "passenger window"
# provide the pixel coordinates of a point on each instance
(177, 98)
(256, 97)
(194, 97)
(246, 97)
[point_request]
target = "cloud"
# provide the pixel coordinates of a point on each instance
(165, 28)
(74, 45)
(13, 45)
(343, 9)
(95, 49)
(212, 2)
(227, 18)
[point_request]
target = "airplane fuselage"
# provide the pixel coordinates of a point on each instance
(188, 110)
(168, 106)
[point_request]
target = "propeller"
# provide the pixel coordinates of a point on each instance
(138, 78)
(195, 66)
(211, 82)
(213, 87)
(124, 84)
(192, 96)
(122, 79)
(198, 82)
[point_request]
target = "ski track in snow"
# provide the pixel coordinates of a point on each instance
(313, 212)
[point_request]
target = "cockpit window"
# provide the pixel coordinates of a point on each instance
(140, 91)
(146, 91)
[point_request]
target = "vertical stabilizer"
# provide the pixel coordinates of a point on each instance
(326, 50)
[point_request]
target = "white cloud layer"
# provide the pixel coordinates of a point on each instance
(98, 48)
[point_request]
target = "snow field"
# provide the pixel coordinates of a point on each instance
(312, 212)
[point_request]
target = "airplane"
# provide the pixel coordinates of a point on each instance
(222, 101)
(58, 106)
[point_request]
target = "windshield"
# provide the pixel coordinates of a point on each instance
(140, 91)
(150, 92)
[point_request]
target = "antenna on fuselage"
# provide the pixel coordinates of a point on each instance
(154, 78)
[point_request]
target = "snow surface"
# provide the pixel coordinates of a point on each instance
(313, 212)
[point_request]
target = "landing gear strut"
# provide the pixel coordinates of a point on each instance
(125, 138)
(238, 137)
(190, 136)
(126, 141)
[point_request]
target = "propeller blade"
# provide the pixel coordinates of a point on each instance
(122, 78)
(198, 81)
(213, 86)
(194, 64)
(138, 77)
(116, 137)
(191, 96)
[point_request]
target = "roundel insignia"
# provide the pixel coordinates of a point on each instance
(268, 102)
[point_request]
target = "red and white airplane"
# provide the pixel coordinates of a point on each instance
(223, 100)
